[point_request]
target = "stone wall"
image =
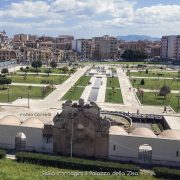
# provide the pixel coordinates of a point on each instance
(89, 131)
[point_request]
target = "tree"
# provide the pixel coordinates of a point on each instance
(48, 71)
(4, 71)
(179, 73)
(147, 71)
(164, 91)
(37, 71)
(25, 73)
(5, 81)
(21, 68)
(36, 64)
(53, 64)
(131, 55)
(65, 70)
(142, 82)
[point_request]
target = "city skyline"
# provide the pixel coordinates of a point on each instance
(90, 18)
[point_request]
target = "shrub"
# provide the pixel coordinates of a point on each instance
(74, 163)
(142, 82)
(162, 172)
(2, 154)
(53, 64)
(4, 71)
(165, 90)
(21, 68)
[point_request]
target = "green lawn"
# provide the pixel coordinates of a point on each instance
(74, 93)
(150, 99)
(156, 84)
(155, 74)
(16, 92)
(55, 70)
(83, 81)
(12, 170)
(113, 82)
(38, 79)
(116, 97)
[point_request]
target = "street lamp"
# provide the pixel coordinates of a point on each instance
(8, 93)
(28, 97)
(178, 102)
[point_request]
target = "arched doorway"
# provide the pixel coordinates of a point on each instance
(145, 153)
(20, 141)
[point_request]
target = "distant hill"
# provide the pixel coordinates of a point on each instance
(137, 38)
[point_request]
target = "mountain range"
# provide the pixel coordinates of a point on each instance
(137, 38)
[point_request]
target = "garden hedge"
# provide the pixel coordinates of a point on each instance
(2, 154)
(168, 173)
(75, 163)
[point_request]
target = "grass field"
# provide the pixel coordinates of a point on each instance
(116, 98)
(155, 74)
(156, 84)
(16, 92)
(11, 170)
(83, 81)
(150, 99)
(76, 91)
(113, 95)
(38, 79)
(54, 70)
(113, 82)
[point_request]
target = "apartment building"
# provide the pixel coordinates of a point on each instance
(83, 47)
(136, 46)
(105, 47)
(170, 47)
(2, 37)
(31, 54)
(67, 55)
(153, 50)
(7, 55)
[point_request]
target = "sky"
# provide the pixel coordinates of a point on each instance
(88, 18)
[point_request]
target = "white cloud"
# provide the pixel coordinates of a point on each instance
(158, 14)
(92, 14)
(26, 9)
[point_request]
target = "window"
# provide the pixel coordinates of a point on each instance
(177, 153)
(114, 147)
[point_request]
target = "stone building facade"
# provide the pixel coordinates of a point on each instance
(80, 129)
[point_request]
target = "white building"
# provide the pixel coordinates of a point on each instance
(143, 146)
(83, 47)
(27, 135)
(170, 47)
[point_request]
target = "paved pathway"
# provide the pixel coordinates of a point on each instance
(61, 90)
(150, 90)
(102, 90)
(144, 109)
(87, 90)
(10, 156)
(141, 77)
(129, 96)
(28, 84)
